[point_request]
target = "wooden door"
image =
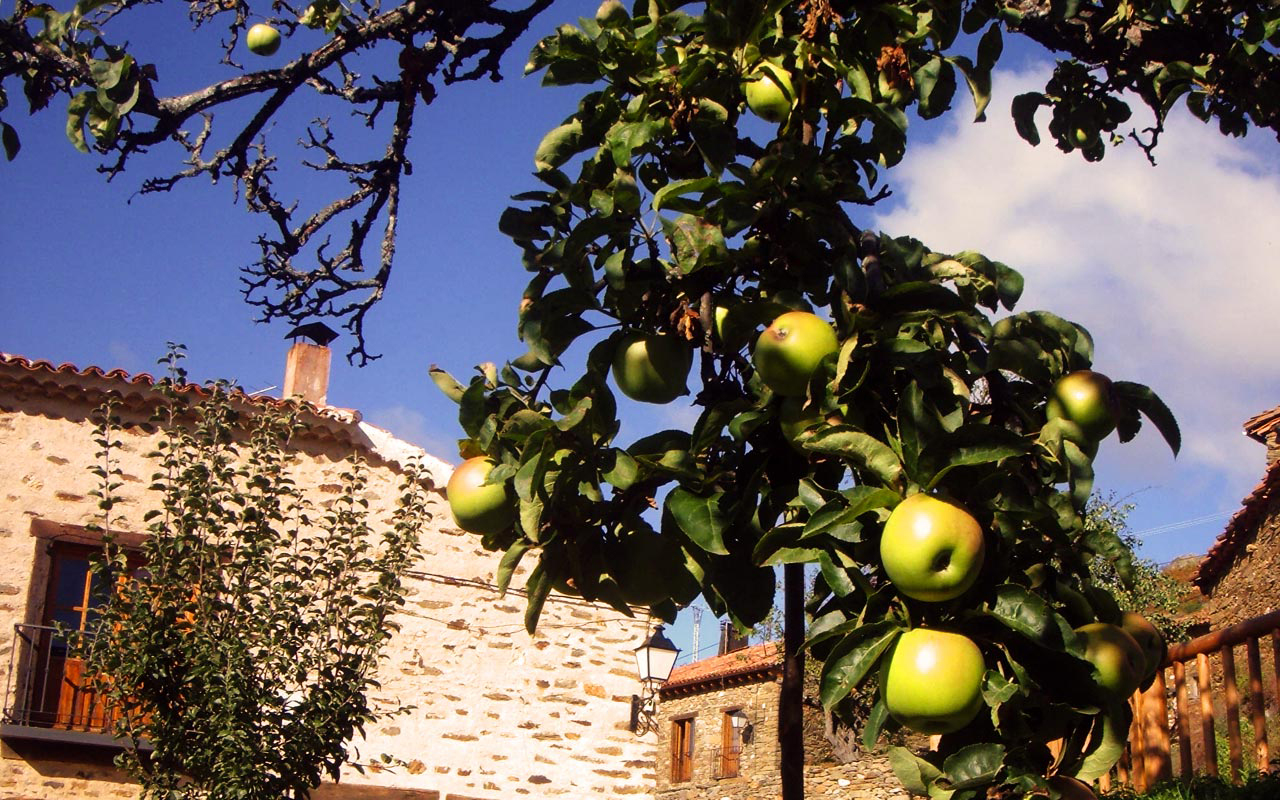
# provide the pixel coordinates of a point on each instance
(69, 701)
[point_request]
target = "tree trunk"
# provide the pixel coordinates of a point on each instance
(790, 703)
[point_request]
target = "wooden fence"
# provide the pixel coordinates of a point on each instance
(1185, 722)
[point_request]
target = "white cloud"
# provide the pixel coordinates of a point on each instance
(411, 426)
(1171, 268)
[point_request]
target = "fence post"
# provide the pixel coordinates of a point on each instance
(1232, 692)
(1257, 707)
(1204, 682)
(1185, 770)
(1153, 717)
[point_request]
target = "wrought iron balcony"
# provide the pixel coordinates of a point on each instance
(47, 696)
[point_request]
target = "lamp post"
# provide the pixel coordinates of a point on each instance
(654, 660)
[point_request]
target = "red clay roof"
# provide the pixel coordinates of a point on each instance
(759, 657)
(142, 384)
(1240, 530)
(1257, 427)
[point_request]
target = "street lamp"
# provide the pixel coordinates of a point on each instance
(654, 660)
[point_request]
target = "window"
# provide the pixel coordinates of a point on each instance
(682, 750)
(49, 689)
(733, 733)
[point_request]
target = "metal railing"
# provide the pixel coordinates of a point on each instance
(726, 763)
(46, 686)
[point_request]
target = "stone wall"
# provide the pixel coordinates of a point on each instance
(868, 777)
(495, 712)
(1251, 585)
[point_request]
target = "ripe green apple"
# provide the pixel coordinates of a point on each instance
(1117, 659)
(1087, 399)
(1148, 638)
(769, 92)
(478, 507)
(932, 680)
(262, 39)
(652, 368)
(932, 549)
(790, 349)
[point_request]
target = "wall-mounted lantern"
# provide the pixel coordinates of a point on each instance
(654, 661)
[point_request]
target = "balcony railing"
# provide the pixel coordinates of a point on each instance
(726, 763)
(46, 693)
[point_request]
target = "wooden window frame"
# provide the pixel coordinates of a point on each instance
(683, 731)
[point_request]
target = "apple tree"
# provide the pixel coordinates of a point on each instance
(866, 404)
(330, 252)
(243, 649)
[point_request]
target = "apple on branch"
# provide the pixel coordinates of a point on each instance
(262, 39)
(932, 680)
(932, 549)
(652, 368)
(1087, 399)
(479, 507)
(790, 350)
(769, 92)
(1117, 659)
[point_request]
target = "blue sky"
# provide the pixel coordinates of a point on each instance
(1169, 267)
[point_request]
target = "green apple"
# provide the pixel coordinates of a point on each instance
(1087, 399)
(1117, 659)
(1148, 638)
(769, 91)
(790, 350)
(931, 548)
(479, 507)
(262, 39)
(652, 368)
(932, 680)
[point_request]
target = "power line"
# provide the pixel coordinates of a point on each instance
(1186, 523)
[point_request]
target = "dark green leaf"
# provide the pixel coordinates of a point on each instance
(447, 383)
(1026, 613)
(507, 566)
(1150, 404)
(865, 450)
(700, 517)
(9, 138)
(559, 145)
(538, 587)
(975, 765)
(875, 724)
(853, 658)
(916, 774)
(1024, 115)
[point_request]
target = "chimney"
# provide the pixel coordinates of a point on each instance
(730, 641)
(306, 373)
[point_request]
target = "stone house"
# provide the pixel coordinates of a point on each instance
(718, 736)
(497, 713)
(1241, 572)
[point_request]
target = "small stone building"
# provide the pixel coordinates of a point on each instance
(1241, 572)
(718, 737)
(496, 713)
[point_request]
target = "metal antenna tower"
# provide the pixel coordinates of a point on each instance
(697, 628)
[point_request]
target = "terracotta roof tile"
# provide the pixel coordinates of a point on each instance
(749, 659)
(142, 383)
(1258, 426)
(1240, 530)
